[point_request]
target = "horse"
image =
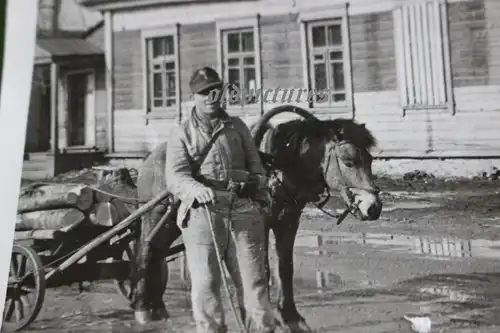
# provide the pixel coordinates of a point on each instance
(327, 155)
(308, 158)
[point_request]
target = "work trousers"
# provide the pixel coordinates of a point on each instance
(240, 237)
(151, 272)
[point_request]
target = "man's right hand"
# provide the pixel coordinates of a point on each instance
(204, 195)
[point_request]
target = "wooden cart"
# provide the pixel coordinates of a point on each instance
(79, 252)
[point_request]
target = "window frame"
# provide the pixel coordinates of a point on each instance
(240, 24)
(173, 111)
(323, 16)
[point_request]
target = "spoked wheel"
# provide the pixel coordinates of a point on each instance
(123, 285)
(25, 289)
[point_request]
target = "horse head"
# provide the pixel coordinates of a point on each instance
(331, 154)
(347, 167)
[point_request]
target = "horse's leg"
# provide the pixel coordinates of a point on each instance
(157, 274)
(140, 302)
(285, 230)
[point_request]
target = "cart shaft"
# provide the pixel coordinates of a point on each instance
(108, 234)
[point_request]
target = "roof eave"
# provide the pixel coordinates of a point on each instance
(130, 4)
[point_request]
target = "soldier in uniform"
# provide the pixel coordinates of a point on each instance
(239, 231)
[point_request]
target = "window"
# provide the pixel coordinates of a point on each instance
(327, 61)
(240, 65)
(162, 72)
(422, 55)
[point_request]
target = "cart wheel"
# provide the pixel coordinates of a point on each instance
(123, 286)
(26, 280)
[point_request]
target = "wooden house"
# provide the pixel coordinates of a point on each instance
(424, 75)
(68, 106)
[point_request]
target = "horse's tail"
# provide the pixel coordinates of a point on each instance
(261, 127)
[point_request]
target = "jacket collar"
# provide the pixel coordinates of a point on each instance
(225, 118)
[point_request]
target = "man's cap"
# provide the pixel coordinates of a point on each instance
(203, 79)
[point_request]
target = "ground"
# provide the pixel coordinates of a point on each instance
(435, 251)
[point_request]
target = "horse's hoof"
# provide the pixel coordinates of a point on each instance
(142, 317)
(299, 327)
(160, 314)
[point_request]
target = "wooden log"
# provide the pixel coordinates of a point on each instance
(103, 196)
(58, 196)
(49, 219)
(42, 234)
(105, 236)
(121, 209)
(109, 213)
(35, 234)
(104, 214)
(122, 190)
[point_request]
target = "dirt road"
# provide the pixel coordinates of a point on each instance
(435, 251)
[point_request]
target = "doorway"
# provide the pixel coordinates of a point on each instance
(80, 112)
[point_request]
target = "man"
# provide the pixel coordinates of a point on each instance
(239, 232)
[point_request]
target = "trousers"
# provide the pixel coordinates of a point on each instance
(150, 266)
(240, 236)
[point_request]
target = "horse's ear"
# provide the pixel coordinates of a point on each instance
(335, 134)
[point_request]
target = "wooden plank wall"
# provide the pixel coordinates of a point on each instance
(471, 32)
(129, 119)
(197, 49)
(474, 38)
(473, 130)
(372, 49)
(281, 58)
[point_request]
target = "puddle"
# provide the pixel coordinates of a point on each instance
(437, 248)
(436, 195)
(388, 207)
(409, 205)
(448, 292)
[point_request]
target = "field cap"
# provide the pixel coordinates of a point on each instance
(204, 79)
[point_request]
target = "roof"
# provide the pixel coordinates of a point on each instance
(66, 15)
(50, 49)
(131, 4)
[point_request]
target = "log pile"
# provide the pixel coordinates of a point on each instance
(63, 206)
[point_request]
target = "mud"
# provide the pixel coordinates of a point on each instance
(435, 251)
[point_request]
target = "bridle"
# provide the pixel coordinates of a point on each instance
(344, 187)
(344, 184)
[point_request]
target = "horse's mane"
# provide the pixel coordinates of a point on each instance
(352, 131)
(294, 131)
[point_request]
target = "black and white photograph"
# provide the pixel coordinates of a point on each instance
(258, 166)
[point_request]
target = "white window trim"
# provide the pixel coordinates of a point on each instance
(327, 14)
(149, 110)
(241, 23)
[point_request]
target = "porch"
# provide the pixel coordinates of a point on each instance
(66, 101)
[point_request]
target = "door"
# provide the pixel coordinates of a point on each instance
(81, 109)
